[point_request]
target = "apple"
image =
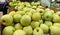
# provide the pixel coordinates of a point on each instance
(32, 3)
(14, 0)
(29, 13)
(7, 20)
(9, 30)
(41, 7)
(40, 10)
(48, 23)
(47, 9)
(56, 24)
(33, 11)
(25, 20)
(36, 16)
(35, 24)
(20, 12)
(45, 28)
(54, 30)
(19, 32)
(38, 31)
(28, 30)
(11, 4)
(27, 5)
(20, 8)
(17, 17)
(37, 3)
(12, 13)
(41, 21)
(18, 26)
(26, 9)
(48, 16)
(56, 18)
(34, 7)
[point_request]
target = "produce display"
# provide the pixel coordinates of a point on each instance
(30, 18)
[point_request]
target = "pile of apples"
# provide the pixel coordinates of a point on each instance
(30, 19)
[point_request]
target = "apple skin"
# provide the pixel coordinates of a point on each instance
(36, 16)
(9, 30)
(56, 18)
(20, 12)
(12, 13)
(48, 16)
(7, 20)
(47, 9)
(56, 24)
(38, 31)
(29, 13)
(28, 30)
(41, 11)
(19, 32)
(48, 23)
(25, 20)
(41, 21)
(45, 28)
(17, 17)
(35, 24)
(54, 30)
(41, 7)
(18, 26)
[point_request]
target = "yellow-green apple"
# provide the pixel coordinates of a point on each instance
(25, 20)
(18, 26)
(9, 30)
(28, 30)
(38, 31)
(45, 28)
(7, 20)
(35, 24)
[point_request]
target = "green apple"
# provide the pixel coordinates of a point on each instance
(47, 9)
(41, 21)
(56, 24)
(48, 23)
(12, 13)
(9, 30)
(33, 11)
(20, 12)
(40, 10)
(17, 17)
(56, 18)
(45, 28)
(28, 30)
(34, 7)
(36, 16)
(54, 30)
(26, 9)
(25, 20)
(58, 13)
(35, 24)
(38, 31)
(20, 8)
(33, 3)
(11, 4)
(37, 3)
(29, 13)
(7, 20)
(48, 16)
(19, 32)
(27, 5)
(41, 7)
(14, 0)
(18, 26)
